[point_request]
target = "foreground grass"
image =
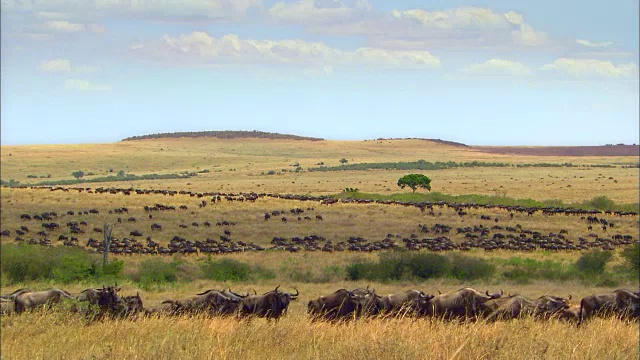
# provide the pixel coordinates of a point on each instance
(57, 336)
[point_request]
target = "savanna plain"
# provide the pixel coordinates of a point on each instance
(372, 208)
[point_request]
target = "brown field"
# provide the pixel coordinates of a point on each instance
(241, 166)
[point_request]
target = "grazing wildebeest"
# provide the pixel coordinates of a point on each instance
(518, 306)
(29, 300)
(464, 303)
(407, 302)
(340, 305)
(270, 305)
(621, 303)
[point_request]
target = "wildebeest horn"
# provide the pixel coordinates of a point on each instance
(439, 292)
(501, 292)
(569, 296)
(488, 293)
(276, 290)
(296, 295)
(254, 292)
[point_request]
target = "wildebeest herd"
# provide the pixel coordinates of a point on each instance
(488, 235)
(466, 304)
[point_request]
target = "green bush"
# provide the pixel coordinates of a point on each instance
(601, 203)
(593, 262)
(400, 265)
(157, 270)
(226, 270)
(470, 268)
(523, 270)
(631, 256)
(22, 262)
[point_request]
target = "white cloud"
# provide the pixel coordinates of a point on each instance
(63, 26)
(455, 19)
(594, 45)
(585, 68)
(65, 66)
(200, 47)
(480, 24)
(84, 85)
(497, 67)
(308, 12)
(55, 66)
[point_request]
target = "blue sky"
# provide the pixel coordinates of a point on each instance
(479, 72)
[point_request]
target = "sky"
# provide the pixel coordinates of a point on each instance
(478, 72)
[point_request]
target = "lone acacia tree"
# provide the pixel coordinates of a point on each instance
(415, 181)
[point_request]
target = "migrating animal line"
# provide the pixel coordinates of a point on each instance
(466, 304)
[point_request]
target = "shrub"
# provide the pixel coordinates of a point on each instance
(522, 270)
(469, 268)
(157, 270)
(226, 270)
(593, 262)
(631, 256)
(601, 203)
(22, 262)
(400, 265)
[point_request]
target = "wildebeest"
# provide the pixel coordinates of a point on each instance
(407, 302)
(340, 305)
(211, 302)
(571, 315)
(90, 295)
(29, 300)
(518, 306)
(464, 303)
(622, 303)
(270, 305)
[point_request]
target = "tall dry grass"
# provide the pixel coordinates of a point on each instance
(58, 336)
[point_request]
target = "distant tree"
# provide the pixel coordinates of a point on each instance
(121, 173)
(344, 161)
(78, 174)
(415, 181)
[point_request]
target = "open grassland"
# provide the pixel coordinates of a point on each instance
(244, 165)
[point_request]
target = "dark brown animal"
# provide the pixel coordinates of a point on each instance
(463, 304)
(340, 305)
(270, 305)
(621, 303)
(410, 302)
(518, 306)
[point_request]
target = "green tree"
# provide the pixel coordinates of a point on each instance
(415, 181)
(78, 174)
(344, 161)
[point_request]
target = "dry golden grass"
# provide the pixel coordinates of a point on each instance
(57, 336)
(240, 165)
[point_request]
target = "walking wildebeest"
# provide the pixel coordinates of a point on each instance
(407, 302)
(464, 303)
(340, 305)
(622, 303)
(29, 300)
(518, 306)
(270, 305)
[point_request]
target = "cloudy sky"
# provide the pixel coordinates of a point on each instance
(480, 72)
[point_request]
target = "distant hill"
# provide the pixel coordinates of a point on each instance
(443, 142)
(604, 150)
(227, 134)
